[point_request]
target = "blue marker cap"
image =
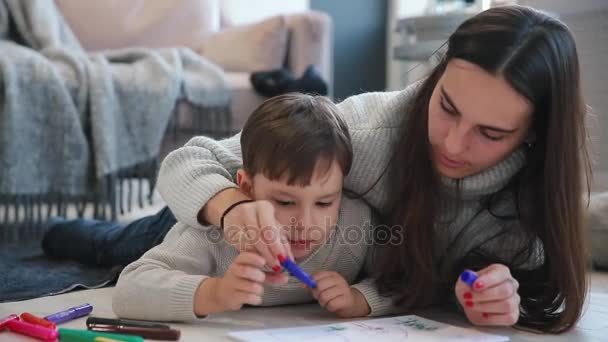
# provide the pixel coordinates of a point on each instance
(468, 277)
(297, 272)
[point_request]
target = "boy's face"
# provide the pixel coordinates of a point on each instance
(308, 213)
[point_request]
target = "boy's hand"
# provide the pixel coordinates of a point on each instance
(242, 284)
(335, 295)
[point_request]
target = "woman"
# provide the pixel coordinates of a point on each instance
(480, 166)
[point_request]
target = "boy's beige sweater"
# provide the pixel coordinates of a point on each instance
(161, 285)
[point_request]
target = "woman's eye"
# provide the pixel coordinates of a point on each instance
(284, 203)
(445, 108)
(324, 204)
(491, 136)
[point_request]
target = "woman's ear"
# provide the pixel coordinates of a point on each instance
(244, 181)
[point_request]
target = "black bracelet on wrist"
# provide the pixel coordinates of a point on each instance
(232, 206)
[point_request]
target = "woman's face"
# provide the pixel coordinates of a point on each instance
(475, 120)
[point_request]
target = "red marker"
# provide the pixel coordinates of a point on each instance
(32, 330)
(28, 317)
(7, 319)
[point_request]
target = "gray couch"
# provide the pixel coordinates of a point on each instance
(293, 41)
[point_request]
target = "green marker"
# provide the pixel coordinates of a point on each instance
(75, 335)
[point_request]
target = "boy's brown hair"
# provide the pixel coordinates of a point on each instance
(288, 135)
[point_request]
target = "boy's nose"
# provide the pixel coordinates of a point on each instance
(305, 219)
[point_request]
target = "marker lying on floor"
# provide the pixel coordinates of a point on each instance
(77, 335)
(297, 272)
(70, 314)
(93, 321)
(32, 330)
(149, 330)
(28, 317)
(149, 333)
(468, 277)
(7, 319)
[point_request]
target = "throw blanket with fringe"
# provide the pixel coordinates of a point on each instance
(72, 122)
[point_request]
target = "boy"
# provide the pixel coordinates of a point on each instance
(296, 151)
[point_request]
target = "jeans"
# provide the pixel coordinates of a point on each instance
(103, 243)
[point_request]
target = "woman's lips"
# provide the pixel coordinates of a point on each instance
(450, 163)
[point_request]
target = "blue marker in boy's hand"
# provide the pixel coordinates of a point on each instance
(297, 272)
(468, 277)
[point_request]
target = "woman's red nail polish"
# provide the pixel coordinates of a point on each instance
(469, 304)
(485, 315)
(276, 268)
(478, 285)
(281, 258)
(468, 295)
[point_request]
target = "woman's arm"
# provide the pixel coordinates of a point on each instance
(190, 176)
(201, 174)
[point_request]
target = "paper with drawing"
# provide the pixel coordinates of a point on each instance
(385, 329)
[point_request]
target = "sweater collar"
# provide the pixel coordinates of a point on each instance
(488, 181)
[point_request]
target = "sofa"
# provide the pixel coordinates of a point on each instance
(212, 29)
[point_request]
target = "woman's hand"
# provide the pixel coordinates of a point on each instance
(493, 298)
(252, 227)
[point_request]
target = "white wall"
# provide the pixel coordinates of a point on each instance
(399, 9)
(588, 20)
(247, 11)
(566, 7)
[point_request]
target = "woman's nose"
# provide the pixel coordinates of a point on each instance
(455, 142)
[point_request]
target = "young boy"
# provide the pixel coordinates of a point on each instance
(296, 151)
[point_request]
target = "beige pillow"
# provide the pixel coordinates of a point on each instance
(111, 24)
(247, 48)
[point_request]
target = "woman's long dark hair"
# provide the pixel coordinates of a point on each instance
(537, 56)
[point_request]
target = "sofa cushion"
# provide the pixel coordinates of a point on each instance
(111, 24)
(248, 48)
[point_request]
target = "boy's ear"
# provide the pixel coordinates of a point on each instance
(244, 182)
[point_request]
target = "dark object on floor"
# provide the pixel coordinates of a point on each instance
(282, 81)
(105, 243)
(272, 83)
(311, 82)
(26, 273)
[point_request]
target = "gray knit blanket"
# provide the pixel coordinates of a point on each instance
(72, 122)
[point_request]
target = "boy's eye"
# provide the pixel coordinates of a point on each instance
(324, 204)
(284, 203)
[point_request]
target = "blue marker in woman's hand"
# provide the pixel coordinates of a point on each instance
(468, 277)
(297, 272)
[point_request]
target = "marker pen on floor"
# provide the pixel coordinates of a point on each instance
(32, 330)
(77, 335)
(30, 318)
(7, 319)
(70, 314)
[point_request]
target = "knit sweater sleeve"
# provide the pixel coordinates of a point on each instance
(161, 285)
(191, 175)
